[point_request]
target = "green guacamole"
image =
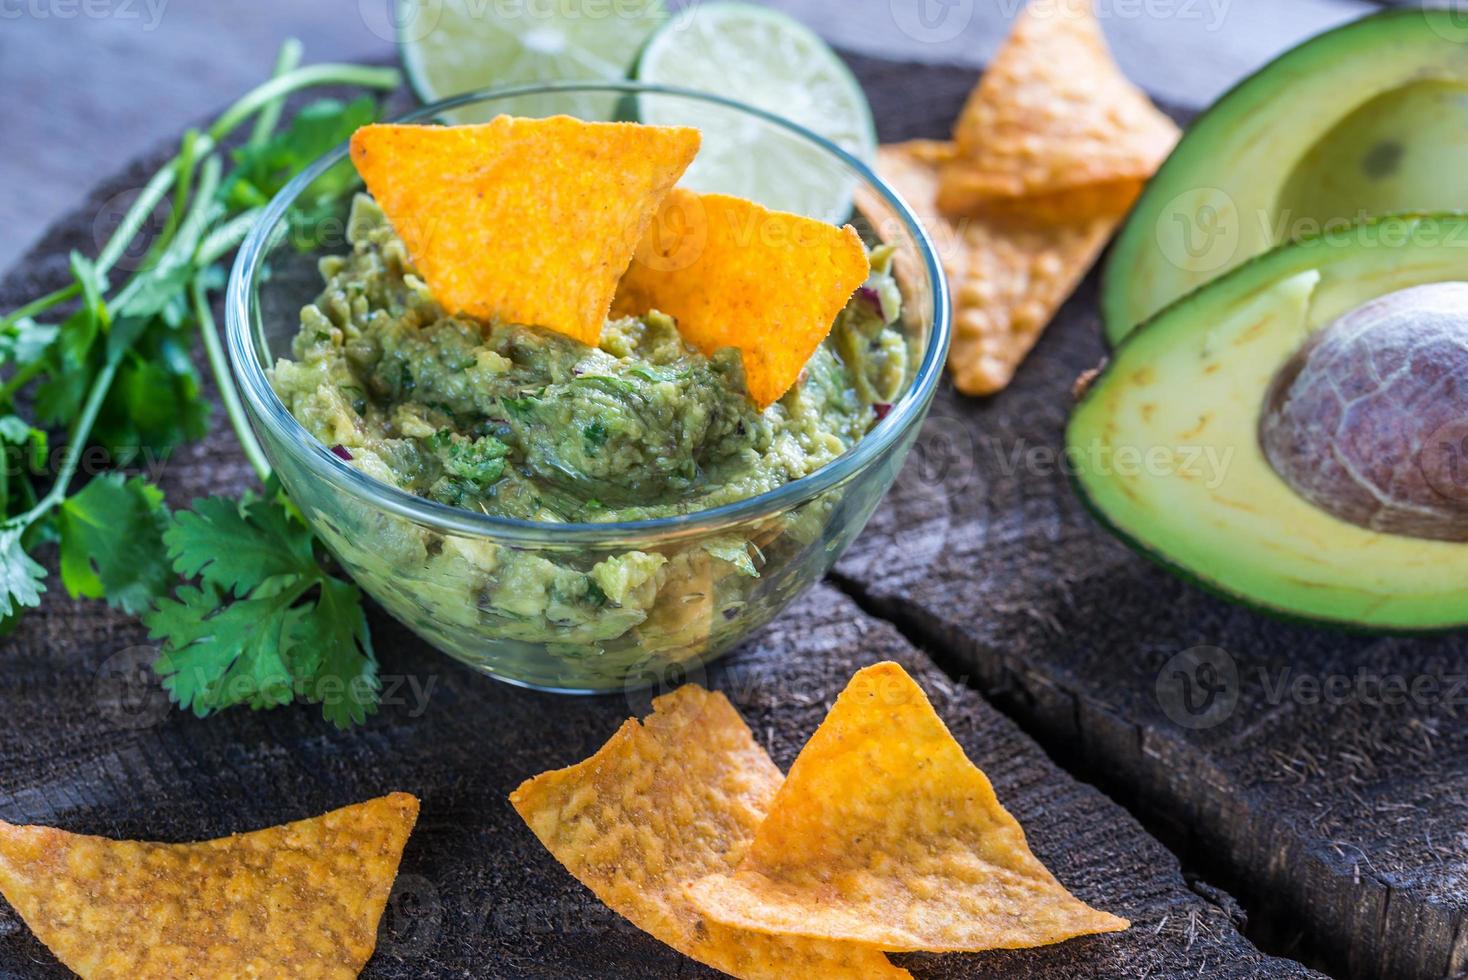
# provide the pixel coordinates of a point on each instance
(515, 421)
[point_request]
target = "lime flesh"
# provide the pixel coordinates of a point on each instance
(765, 59)
(454, 46)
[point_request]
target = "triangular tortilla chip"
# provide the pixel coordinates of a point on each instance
(1053, 112)
(299, 900)
(735, 274)
(885, 833)
(523, 220)
(664, 803)
(1007, 270)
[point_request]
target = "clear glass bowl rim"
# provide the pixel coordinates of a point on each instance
(268, 410)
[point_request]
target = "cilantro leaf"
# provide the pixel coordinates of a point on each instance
(25, 341)
(22, 580)
(112, 543)
(266, 624)
(238, 545)
(333, 649)
(220, 655)
(16, 431)
(319, 127)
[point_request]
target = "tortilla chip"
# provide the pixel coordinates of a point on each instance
(1053, 112)
(664, 803)
(734, 274)
(885, 834)
(1008, 270)
(299, 900)
(523, 220)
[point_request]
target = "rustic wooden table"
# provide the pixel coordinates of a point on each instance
(1289, 832)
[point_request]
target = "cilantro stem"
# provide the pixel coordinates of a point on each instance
(183, 168)
(221, 240)
(127, 229)
(260, 100)
(42, 304)
(18, 380)
(286, 61)
(80, 435)
(209, 331)
(328, 74)
(264, 100)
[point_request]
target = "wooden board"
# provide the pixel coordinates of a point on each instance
(88, 744)
(1342, 827)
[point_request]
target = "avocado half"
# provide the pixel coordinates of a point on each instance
(1340, 361)
(1365, 119)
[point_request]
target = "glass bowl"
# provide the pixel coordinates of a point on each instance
(514, 598)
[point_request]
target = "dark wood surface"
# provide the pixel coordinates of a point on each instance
(1340, 819)
(1341, 828)
(477, 895)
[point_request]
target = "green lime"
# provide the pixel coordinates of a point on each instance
(765, 59)
(454, 46)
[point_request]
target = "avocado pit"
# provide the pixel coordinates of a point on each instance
(1368, 420)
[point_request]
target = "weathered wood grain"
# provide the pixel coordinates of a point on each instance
(1347, 820)
(92, 746)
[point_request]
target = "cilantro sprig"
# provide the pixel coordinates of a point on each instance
(265, 623)
(236, 591)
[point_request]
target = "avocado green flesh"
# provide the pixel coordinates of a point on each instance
(1366, 119)
(1380, 158)
(1166, 448)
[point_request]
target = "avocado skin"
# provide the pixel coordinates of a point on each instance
(1285, 260)
(1202, 156)
(1277, 613)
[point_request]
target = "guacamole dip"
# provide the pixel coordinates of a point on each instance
(514, 421)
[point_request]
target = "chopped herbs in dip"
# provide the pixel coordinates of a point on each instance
(519, 422)
(515, 421)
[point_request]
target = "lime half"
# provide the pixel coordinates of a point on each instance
(454, 46)
(765, 59)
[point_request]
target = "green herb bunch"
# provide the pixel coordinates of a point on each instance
(234, 590)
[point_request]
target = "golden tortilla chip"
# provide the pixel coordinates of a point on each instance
(735, 274)
(664, 803)
(299, 900)
(523, 220)
(1008, 271)
(1053, 112)
(885, 834)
